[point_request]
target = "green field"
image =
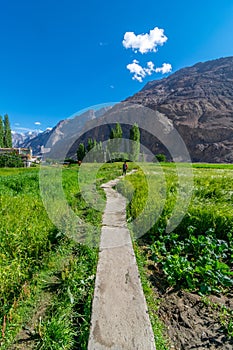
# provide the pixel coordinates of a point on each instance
(47, 278)
(198, 253)
(43, 273)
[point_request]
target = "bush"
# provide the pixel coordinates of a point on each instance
(10, 161)
(160, 157)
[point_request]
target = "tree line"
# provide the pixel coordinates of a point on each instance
(116, 148)
(5, 132)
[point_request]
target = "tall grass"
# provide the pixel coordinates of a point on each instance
(198, 254)
(36, 257)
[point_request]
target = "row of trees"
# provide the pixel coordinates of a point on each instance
(96, 147)
(116, 148)
(5, 132)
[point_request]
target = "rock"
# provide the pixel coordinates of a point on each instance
(199, 102)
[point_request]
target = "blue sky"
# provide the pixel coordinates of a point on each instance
(61, 56)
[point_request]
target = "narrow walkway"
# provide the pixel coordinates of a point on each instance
(120, 318)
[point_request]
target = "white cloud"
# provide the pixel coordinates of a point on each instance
(144, 42)
(37, 123)
(166, 68)
(139, 73)
(22, 129)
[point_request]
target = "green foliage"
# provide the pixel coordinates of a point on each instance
(116, 133)
(96, 154)
(197, 263)
(36, 260)
(27, 239)
(160, 157)
(94, 151)
(7, 132)
(11, 160)
(81, 152)
(66, 323)
(135, 145)
(198, 255)
(90, 144)
(152, 302)
(115, 143)
(226, 318)
(56, 333)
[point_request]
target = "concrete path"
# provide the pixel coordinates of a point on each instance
(119, 313)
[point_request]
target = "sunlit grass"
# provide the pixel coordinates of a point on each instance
(208, 221)
(33, 251)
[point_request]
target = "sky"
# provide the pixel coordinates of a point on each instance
(59, 57)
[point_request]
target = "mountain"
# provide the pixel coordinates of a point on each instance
(198, 100)
(68, 127)
(18, 138)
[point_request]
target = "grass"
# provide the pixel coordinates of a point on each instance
(198, 254)
(37, 259)
(152, 303)
(66, 321)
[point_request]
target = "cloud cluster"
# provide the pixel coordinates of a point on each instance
(37, 123)
(144, 42)
(166, 68)
(139, 73)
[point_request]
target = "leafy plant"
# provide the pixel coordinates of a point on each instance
(198, 254)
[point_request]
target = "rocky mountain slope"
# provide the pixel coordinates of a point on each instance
(199, 102)
(61, 130)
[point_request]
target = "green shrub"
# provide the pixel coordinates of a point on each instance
(198, 254)
(11, 161)
(160, 157)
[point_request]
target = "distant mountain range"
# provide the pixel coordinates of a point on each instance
(197, 101)
(19, 138)
(38, 140)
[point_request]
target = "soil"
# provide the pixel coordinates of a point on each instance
(191, 321)
(27, 338)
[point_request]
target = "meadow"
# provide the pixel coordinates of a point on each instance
(198, 253)
(47, 278)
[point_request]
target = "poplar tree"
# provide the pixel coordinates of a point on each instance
(115, 145)
(117, 132)
(1, 133)
(81, 152)
(91, 144)
(135, 144)
(7, 132)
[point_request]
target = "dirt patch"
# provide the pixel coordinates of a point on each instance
(28, 336)
(192, 322)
